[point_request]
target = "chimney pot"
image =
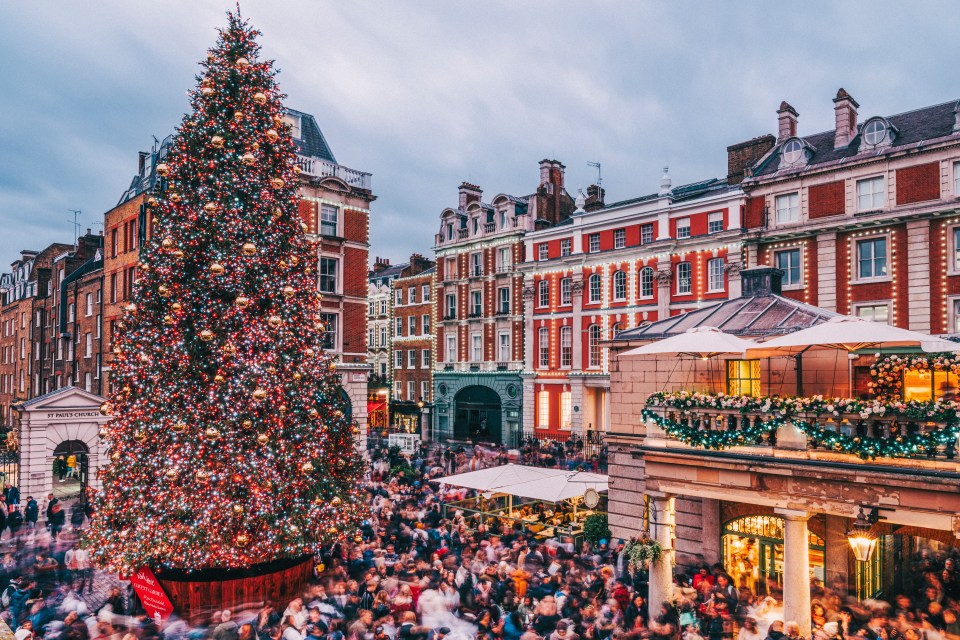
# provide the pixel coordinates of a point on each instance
(786, 121)
(845, 118)
(469, 193)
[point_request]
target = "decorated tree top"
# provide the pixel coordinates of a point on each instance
(229, 444)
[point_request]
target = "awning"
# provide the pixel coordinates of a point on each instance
(848, 333)
(700, 342)
(536, 483)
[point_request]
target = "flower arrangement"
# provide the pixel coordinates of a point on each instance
(641, 551)
(887, 372)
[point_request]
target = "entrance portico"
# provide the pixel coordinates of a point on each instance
(68, 415)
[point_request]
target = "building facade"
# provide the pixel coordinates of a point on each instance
(412, 345)
(479, 352)
(610, 268)
(379, 329)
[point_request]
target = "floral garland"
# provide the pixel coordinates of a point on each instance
(781, 410)
(887, 372)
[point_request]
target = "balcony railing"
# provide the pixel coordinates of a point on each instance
(867, 429)
(323, 169)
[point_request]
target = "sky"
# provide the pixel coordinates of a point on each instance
(426, 94)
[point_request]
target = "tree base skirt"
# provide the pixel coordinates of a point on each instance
(198, 594)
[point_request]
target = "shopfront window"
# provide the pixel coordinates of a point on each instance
(926, 385)
(753, 554)
(743, 377)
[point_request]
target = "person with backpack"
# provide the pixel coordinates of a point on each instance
(31, 513)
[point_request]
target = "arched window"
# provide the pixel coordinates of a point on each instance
(566, 347)
(875, 132)
(615, 329)
(792, 151)
(543, 347)
(646, 282)
(595, 291)
(620, 286)
(593, 344)
(543, 294)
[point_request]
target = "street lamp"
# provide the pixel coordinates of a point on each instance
(386, 409)
(420, 417)
(862, 540)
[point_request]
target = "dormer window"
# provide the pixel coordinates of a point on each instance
(875, 132)
(792, 151)
(294, 122)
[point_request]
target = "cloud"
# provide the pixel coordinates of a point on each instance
(427, 94)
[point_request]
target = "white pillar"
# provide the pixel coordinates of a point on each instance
(661, 571)
(796, 569)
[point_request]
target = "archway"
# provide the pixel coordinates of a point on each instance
(477, 415)
(348, 404)
(70, 465)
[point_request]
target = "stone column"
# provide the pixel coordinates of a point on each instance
(796, 569)
(733, 279)
(528, 329)
(576, 400)
(826, 269)
(664, 284)
(918, 277)
(661, 571)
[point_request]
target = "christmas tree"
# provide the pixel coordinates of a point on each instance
(228, 443)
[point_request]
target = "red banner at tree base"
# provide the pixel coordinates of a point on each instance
(151, 593)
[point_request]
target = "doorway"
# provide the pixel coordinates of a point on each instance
(477, 415)
(70, 468)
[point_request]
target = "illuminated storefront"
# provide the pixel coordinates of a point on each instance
(752, 549)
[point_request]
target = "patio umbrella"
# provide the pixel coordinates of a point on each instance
(848, 333)
(700, 342)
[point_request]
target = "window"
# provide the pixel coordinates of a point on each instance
(476, 304)
(503, 259)
(476, 348)
(874, 312)
(646, 233)
(615, 329)
(476, 262)
(88, 349)
(956, 248)
(593, 243)
(503, 299)
(543, 293)
(412, 295)
(503, 219)
(383, 307)
(925, 385)
(543, 347)
(451, 350)
(788, 208)
(411, 325)
(870, 194)
(425, 358)
(449, 231)
(425, 390)
(398, 297)
(566, 291)
(411, 358)
(543, 410)
(328, 275)
(788, 261)
(565, 247)
(874, 132)
(684, 281)
(476, 225)
(114, 241)
(619, 238)
(872, 258)
(715, 222)
(504, 344)
(593, 345)
(683, 228)
(646, 282)
(743, 377)
(383, 336)
(88, 382)
(956, 178)
(329, 335)
(451, 306)
(715, 275)
(398, 390)
(71, 312)
(451, 270)
(543, 251)
(792, 151)
(411, 390)
(371, 337)
(328, 219)
(89, 311)
(294, 123)
(566, 409)
(566, 347)
(620, 285)
(398, 326)
(425, 324)
(596, 292)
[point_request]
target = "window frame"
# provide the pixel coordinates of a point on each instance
(543, 293)
(956, 178)
(451, 308)
(676, 270)
(645, 237)
(500, 346)
(322, 276)
(411, 325)
(791, 207)
(543, 251)
(566, 410)
(953, 311)
(476, 303)
(594, 354)
(425, 324)
(884, 132)
(450, 355)
(503, 301)
(412, 358)
(476, 264)
(686, 226)
(543, 409)
(754, 380)
(640, 283)
(711, 263)
(326, 318)
(619, 281)
(873, 180)
(566, 291)
(875, 304)
(325, 222)
(593, 243)
(619, 238)
(857, 276)
(476, 340)
(595, 288)
(543, 347)
(566, 247)
(566, 347)
(712, 218)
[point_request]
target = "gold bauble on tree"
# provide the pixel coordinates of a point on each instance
(217, 142)
(242, 302)
(238, 509)
(296, 375)
(277, 183)
(303, 226)
(307, 467)
(176, 306)
(247, 424)
(217, 269)
(248, 158)
(309, 353)
(210, 207)
(203, 474)
(218, 379)
(272, 135)
(163, 290)
(171, 474)
(174, 196)
(260, 97)
(274, 321)
(178, 254)
(106, 408)
(283, 408)
(282, 264)
(288, 291)
(163, 169)
(167, 242)
(151, 201)
(168, 320)
(207, 91)
(249, 249)
(313, 412)
(212, 434)
(243, 63)
(294, 260)
(276, 212)
(263, 438)
(238, 115)
(179, 427)
(259, 394)
(229, 348)
(243, 539)
(206, 335)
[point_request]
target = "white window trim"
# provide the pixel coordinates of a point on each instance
(952, 314)
(619, 233)
(613, 286)
(803, 280)
(676, 271)
(776, 216)
(540, 284)
(500, 336)
(956, 179)
(653, 280)
(855, 260)
(883, 193)
(590, 238)
(875, 303)
(952, 247)
(677, 227)
(723, 280)
(714, 214)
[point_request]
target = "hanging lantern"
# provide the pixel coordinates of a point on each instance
(862, 540)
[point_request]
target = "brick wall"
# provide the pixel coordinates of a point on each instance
(826, 199)
(918, 183)
(355, 227)
(753, 215)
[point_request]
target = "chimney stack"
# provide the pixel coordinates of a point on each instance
(469, 193)
(742, 156)
(845, 110)
(786, 121)
(551, 172)
(594, 201)
(379, 264)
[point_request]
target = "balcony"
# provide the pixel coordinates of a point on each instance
(489, 227)
(318, 168)
(889, 433)
(450, 316)
(475, 314)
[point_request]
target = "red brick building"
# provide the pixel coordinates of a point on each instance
(479, 354)
(862, 219)
(411, 344)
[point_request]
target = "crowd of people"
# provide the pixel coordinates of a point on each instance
(418, 572)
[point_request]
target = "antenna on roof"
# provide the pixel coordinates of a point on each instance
(76, 224)
(599, 174)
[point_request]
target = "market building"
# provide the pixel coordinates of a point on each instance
(412, 346)
(479, 353)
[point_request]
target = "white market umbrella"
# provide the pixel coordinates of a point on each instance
(848, 333)
(700, 342)
(537, 483)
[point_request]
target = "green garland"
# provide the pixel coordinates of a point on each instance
(779, 411)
